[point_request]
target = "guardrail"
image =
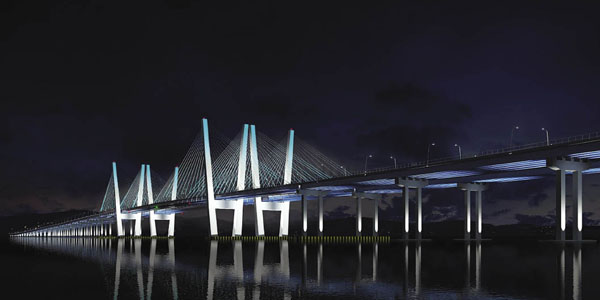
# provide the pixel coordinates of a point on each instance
(560, 141)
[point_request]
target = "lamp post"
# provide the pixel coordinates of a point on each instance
(343, 169)
(366, 159)
(512, 132)
(395, 165)
(547, 136)
(428, 151)
(459, 151)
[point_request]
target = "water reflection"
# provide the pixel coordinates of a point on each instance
(143, 269)
(469, 288)
(167, 260)
(576, 272)
(235, 272)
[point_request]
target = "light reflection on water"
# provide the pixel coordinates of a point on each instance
(142, 269)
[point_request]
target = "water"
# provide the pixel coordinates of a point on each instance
(76, 268)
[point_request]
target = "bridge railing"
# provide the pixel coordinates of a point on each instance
(559, 141)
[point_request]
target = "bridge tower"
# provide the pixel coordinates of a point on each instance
(153, 216)
(213, 204)
(248, 141)
(259, 205)
(135, 216)
(117, 202)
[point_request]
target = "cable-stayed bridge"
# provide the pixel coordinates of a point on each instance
(252, 169)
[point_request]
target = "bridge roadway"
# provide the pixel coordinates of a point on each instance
(577, 157)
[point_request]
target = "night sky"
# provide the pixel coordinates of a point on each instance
(85, 83)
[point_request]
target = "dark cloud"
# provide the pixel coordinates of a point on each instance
(535, 220)
(413, 113)
(588, 221)
(537, 198)
(499, 212)
(439, 214)
(339, 212)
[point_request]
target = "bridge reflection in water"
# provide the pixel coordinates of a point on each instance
(286, 270)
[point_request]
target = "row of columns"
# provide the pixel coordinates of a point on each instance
(406, 184)
(562, 166)
(468, 188)
(89, 230)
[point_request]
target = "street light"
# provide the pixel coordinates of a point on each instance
(343, 169)
(459, 151)
(512, 132)
(428, 151)
(547, 136)
(366, 159)
(395, 165)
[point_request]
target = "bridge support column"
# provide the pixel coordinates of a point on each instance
(238, 218)
(405, 196)
(171, 230)
(305, 193)
(152, 220)
(376, 216)
(467, 226)
(358, 216)
(577, 205)
(478, 188)
(304, 216)
(562, 165)
(419, 213)
(320, 215)
(118, 217)
(479, 228)
(561, 205)
(376, 197)
(406, 183)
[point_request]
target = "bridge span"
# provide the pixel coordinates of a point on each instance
(253, 169)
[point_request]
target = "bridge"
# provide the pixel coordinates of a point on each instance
(253, 169)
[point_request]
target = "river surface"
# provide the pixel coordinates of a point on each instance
(89, 268)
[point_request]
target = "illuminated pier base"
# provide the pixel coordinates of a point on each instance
(406, 183)
(562, 166)
(478, 188)
(319, 194)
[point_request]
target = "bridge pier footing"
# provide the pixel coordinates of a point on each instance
(358, 215)
(407, 183)
(478, 188)
(562, 165)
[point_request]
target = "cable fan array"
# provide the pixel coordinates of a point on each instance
(308, 165)
(108, 203)
(131, 197)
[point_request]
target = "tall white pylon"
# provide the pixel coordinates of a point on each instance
(236, 205)
(118, 216)
(259, 205)
(153, 216)
(136, 216)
